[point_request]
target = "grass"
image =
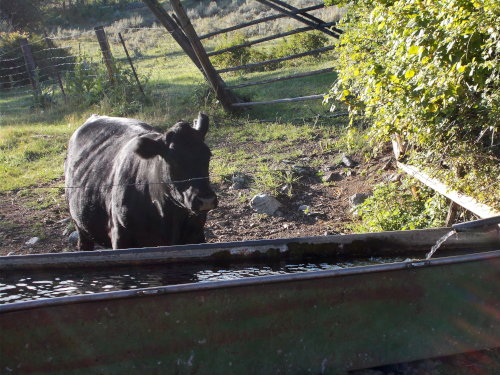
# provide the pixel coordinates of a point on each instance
(33, 141)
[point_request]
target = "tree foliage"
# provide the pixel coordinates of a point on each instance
(429, 72)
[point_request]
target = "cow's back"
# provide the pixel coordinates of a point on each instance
(89, 169)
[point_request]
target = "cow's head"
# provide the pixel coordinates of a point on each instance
(184, 159)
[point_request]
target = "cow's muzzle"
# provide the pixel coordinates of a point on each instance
(205, 203)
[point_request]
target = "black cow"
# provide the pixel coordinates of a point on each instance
(128, 185)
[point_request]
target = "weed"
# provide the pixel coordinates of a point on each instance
(394, 207)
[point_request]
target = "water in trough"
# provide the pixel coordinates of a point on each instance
(26, 286)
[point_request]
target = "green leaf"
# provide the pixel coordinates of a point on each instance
(409, 74)
(413, 50)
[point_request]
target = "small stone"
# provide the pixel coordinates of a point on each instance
(332, 176)
(393, 177)
(348, 162)
(264, 204)
(357, 199)
(239, 181)
(303, 170)
(64, 221)
(305, 208)
(73, 239)
(32, 241)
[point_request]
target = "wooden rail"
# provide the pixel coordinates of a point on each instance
(289, 12)
(266, 39)
(477, 208)
(284, 78)
(276, 101)
(257, 21)
(272, 61)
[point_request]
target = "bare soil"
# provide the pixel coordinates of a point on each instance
(233, 220)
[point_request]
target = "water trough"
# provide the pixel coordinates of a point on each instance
(353, 301)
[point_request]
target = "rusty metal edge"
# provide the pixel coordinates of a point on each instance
(258, 280)
(420, 239)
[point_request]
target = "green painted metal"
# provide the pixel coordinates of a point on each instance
(320, 322)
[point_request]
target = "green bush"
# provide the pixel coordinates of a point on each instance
(89, 84)
(393, 207)
(297, 43)
(238, 56)
(428, 71)
(301, 42)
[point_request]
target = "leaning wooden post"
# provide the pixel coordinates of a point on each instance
(225, 96)
(54, 69)
(30, 67)
(131, 65)
(106, 51)
(174, 30)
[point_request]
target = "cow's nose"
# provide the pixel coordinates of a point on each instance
(207, 204)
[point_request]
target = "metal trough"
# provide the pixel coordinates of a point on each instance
(313, 322)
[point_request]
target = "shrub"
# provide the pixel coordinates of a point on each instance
(46, 55)
(429, 72)
(394, 207)
(89, 84)
(238, 56)
(301, 42)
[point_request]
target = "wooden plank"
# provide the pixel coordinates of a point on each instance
(257, 21)
(286, 100)
(272, 61)
(225, 96)
(285, 78)
(262, 40)
(317, 26)
(452, 214)
(479, 209)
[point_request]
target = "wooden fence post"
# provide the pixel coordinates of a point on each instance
(30, 66)
(225, 96)
(106, 51)
(54, 69)
(131, 65)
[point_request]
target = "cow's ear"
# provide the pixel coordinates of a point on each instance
(147, 146)
(201, 124)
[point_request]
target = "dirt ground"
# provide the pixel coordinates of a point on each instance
(233, 220)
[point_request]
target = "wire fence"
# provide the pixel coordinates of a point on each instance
(46, 71)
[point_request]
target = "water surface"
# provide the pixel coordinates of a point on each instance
(26, 286)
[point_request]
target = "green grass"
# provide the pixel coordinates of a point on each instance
(33, 141)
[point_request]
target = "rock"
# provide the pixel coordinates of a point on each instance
(357, 199)
(239, 181)
(331, 177)
(73, 239)
(32, 241)
(264, 204)
(303, 171)
(393, 177)
(348, 162)
(64, 221)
